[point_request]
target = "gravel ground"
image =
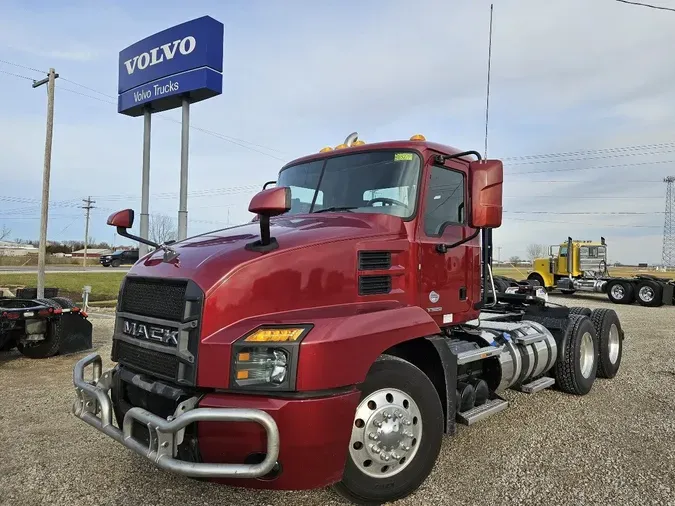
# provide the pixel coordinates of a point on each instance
(615, 446)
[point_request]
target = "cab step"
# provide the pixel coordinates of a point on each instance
(537, 385)
(491, 407)
(478, 354)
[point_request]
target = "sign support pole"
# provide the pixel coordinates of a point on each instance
(145, 189)
(184, 148)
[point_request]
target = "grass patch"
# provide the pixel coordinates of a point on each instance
(104, 286)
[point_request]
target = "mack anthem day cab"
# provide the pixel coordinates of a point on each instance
(334, 340)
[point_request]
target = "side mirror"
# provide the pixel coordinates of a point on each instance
(265, 204)
(122, 219)
(487, 178)
(272, 202)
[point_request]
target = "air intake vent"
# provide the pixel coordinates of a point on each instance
(374, 260)
(374, 285)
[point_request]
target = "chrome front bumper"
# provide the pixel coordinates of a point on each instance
(94, 406)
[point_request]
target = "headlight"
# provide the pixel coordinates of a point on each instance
(261, 366)
(266, 359)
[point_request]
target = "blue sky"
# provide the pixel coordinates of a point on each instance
(567, 76)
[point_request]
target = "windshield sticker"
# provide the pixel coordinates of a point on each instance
(403, 157)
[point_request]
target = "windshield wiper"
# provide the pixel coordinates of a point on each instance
(343, 208)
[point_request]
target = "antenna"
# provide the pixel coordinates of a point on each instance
(487, 96)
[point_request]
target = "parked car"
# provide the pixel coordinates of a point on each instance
(120, 257)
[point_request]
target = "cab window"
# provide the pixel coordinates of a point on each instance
(444, 201)
(563, 251)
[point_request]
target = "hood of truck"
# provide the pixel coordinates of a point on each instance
(208, 259)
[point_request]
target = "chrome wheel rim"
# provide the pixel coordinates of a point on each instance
(586, 355)
(386, 433)
(613, 344)
(646, 294)
(618, 292)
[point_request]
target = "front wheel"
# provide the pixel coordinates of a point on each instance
(396, 435)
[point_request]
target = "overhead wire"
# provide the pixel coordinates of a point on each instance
(651, 6)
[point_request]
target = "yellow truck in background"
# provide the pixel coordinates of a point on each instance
(581, 266)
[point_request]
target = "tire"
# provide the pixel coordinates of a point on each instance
(573, 376)
(50, 346)
(116, 263)
(567, 292)
(105, 265)
(581, 310)
(538, 278)
(501, 285)
(64, 302)
(649, 293)
(610, 338)
(392, 379)
(620, 292)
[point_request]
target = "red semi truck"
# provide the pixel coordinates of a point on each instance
(339, 336)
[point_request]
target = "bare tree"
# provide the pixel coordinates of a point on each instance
(162, 229)
(515, 260)
(535, 251)
(4, 232)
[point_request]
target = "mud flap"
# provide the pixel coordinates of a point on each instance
(668, 297)
(76, 334)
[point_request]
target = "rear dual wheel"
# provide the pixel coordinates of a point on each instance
(620, 292)
(396, 435)
(610, 338)
(649, 293)
(577, 364)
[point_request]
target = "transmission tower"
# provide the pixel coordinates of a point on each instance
(669, 225)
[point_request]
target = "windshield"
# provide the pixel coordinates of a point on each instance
(367, 182)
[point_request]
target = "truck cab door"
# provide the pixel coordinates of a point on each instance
(446, 278)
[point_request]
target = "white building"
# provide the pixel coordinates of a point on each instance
(13, 249)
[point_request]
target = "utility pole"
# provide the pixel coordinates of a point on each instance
(88, 207)
(42, 252)
(668, 254)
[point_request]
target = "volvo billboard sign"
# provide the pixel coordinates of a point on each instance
(172, 68)
(186, 59)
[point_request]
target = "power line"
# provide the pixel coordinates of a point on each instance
(589, 213)
(638, 147)
(583, 159)
(575, 197)
(603, 225)
(640, 4)
(16, 75)
(23, 66)
(595, 167)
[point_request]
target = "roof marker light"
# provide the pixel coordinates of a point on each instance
(418, 137)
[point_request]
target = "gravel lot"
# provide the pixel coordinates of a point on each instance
(614, 446)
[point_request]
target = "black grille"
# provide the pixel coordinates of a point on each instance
(373, 260)
(159, 364)
(157, 298)
(374, 285)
